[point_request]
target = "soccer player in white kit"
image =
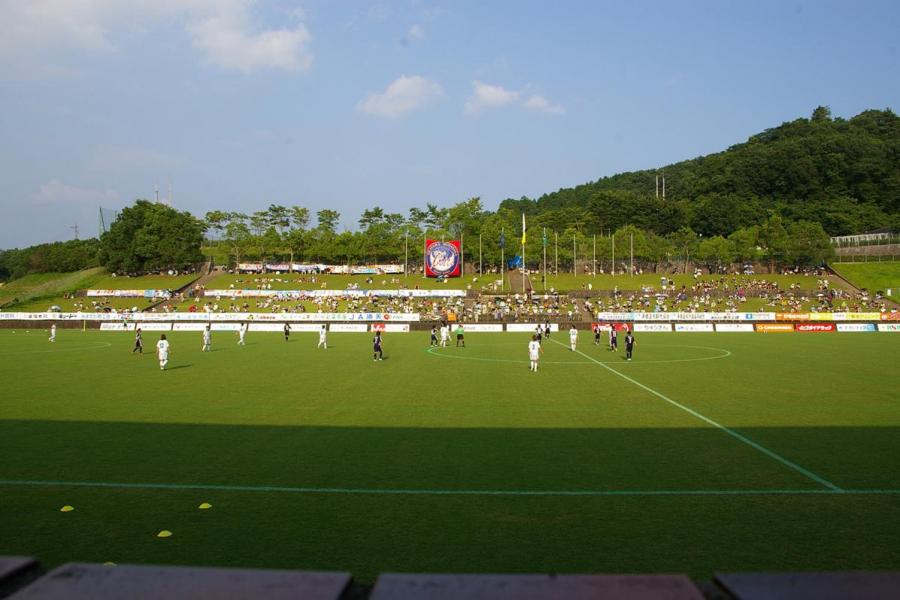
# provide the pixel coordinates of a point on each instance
(445, 335)
(573, 337)
(242, 331)
(53, 332)
(207, 339)
(323, 338)
(534, 353)
(162, 352)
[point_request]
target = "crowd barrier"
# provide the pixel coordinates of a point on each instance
(404, 322)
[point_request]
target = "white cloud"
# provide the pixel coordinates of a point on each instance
(541, 104)
(415, 33)
(402, 96)
(224, 31)
(56, 192)
(485, 96)
(226, 44)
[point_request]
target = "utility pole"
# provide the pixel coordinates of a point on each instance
(75, 229)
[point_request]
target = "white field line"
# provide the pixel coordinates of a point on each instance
(445, 492)
(705, 419)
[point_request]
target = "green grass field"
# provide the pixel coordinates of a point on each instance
(708, 452)
(876, 276)
(48, 285)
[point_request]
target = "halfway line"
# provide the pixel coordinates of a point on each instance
(731, 432)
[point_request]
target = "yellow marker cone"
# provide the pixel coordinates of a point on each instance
(67, 508)
(164, 533)
(205, 506)
(109, 564)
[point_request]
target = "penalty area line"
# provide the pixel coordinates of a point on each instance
(770, 453)
(444, 492)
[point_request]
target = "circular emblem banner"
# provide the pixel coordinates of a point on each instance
(442, 259)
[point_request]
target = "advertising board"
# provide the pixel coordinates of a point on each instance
(734, 327)
(651, 328)
(348, 328)
(856, 327)
(775, 327)
(483, 327)
(815, 327)
(391, 327)
(694, 327)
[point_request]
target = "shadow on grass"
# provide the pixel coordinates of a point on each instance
(371, 533)
(449, 458)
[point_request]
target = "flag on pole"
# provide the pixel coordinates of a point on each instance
(545, 237)
(523, 229)
(502, 240)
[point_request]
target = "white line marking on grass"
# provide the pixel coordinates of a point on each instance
(705, 419)
(446, 492)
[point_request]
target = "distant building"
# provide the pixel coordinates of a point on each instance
(883, 234)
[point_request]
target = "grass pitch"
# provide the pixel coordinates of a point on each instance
(707, 452)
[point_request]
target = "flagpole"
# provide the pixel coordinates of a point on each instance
(631, 268)
(595, 255)
(612, 237)
(424, 252)
(544, 243)
(502, 260)
(574, 258)
(406, 255)
(479, 255)
(523, 253)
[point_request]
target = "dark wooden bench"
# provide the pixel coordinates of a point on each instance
(851, 585)
(534, 587)
(75, 581)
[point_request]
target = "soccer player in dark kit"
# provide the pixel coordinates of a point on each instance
(376, 347)
(629, 345)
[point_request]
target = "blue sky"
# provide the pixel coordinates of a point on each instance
(239, 104)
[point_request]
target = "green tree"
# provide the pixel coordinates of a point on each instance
(808, 244)
(773, 239)
(149, 237)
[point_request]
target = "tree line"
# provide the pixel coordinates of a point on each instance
(843, 174)
(280, 234)
(56, 257)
